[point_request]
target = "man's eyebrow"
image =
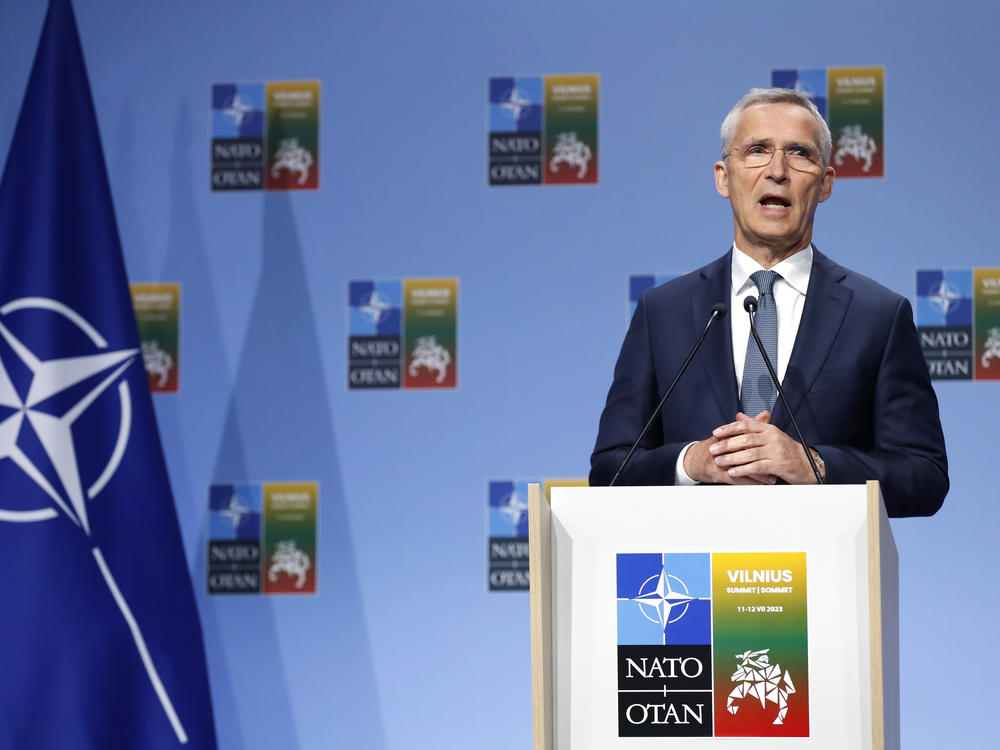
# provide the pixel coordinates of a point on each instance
(770, 141)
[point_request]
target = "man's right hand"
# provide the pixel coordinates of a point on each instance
(699, 463)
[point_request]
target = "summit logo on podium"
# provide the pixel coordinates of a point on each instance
(712, 645)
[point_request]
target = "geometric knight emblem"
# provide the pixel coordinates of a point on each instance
(992, 348)
(762, 680)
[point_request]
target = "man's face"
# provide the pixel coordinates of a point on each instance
(773, 205)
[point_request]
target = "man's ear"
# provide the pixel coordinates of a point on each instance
(826, 188)
(721, 179)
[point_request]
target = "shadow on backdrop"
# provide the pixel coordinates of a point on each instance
(184, 420)
(279, 424)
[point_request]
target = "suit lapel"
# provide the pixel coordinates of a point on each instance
(716, 354)
(823, 314)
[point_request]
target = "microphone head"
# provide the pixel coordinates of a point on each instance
(750, 303)
(719, 310)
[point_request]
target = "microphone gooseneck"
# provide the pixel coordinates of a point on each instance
(719, 310)
(750, 305)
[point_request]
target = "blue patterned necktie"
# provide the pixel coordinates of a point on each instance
(758, 392)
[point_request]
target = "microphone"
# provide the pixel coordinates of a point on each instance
(719, 310)
(750, 305)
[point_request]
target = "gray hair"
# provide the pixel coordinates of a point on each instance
(776, 96)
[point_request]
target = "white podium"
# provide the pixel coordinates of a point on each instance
(701, 615)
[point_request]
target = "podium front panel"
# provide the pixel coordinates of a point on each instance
(762, 595)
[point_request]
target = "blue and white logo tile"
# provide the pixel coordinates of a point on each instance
(516, 104)
(944, 298)
(664, 599)
(376, 308)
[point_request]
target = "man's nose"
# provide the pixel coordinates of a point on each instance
(778, 168)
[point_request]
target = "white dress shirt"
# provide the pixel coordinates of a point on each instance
(789, 299)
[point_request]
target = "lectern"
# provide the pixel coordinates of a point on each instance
(713, 616)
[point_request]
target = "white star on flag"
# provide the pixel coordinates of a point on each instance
(49, 378)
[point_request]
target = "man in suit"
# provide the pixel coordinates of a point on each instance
(844, 347)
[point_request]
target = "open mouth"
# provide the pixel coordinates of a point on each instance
(774, 202)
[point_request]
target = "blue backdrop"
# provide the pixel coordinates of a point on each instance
(404, 647)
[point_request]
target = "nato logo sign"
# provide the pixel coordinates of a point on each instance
(234, 524)
(944, 320)
(402, 333)
(508, 535)
(238, 136)
(664, 645)
(262, 538)
(958, 318)
(515, 138)
(265, 136)
(375, 334)
(543, 130)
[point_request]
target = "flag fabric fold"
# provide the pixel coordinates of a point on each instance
(101, 643)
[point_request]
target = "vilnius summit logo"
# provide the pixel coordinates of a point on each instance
(265, 136)
(262, 538)
(712, 644)
(543, 130)
(402, 333)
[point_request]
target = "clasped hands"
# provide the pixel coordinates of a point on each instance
(748, 451)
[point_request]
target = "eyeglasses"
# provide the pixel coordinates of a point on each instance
(798, 157)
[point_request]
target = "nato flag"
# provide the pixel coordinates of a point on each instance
(100, 644)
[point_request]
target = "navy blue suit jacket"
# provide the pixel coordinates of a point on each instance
(857, 383)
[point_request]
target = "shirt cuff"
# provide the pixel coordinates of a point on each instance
(681, 479)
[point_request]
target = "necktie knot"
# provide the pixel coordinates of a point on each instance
(764, 280)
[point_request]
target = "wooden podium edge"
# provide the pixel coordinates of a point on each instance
(540, 600)
(883, 609)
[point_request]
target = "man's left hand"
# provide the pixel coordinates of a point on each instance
(754, 447)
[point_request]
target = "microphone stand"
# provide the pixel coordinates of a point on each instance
(718, 313)
(750, 305)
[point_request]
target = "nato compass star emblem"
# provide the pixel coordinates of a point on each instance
(237, 109)
(234, 511)
(944, 296)
(83, 379)
(515, 104)
(663, 599)
(514, 507)
(375, 307)
(54, 431)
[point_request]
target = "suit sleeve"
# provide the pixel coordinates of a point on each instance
(633, 395)
(908, 455)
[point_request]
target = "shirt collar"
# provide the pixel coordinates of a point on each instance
(794, 269)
